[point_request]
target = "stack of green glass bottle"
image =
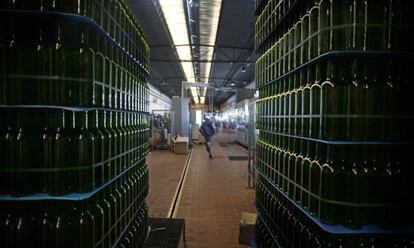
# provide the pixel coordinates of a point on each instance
(336, 123)
(73, 124)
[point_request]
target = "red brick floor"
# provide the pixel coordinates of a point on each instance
(214, 195)
(165, 170)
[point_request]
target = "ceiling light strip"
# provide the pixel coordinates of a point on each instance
(174, 15)
(209, 19)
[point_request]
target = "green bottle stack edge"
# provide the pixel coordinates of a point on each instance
(335, 123)
(74, 124)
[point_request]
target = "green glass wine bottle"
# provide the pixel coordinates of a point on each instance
(36, 154)
(377, 15)
(64, 178)
(125, 138)
(315, 110)
(99, 146)
(113, 146)
(116, 193)
(292, 168)
(108, 218)
(316, 178)
(106, 142)
(355, 191)
(22, 181)
(131, 141)
(119, 141)
(85, 92)
(114, 214)
(86, 225)
(96, 211)
(43, 60)
(63, 223)
(15, 57)
(85, 146)
(313, 29)
(341, 25)
(329, 181)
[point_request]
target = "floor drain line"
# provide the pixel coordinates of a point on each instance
(178, 192)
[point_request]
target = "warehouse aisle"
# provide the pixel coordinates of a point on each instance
(165, 169)
(214, 195)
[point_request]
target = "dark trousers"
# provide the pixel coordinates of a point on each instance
(208, 143)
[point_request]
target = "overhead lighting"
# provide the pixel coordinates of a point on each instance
(202, 99)
(232, 84)
(194, 92)
(209, 12)
(196, 101)
(174, 15)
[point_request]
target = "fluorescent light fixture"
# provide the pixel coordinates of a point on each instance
(196, 101)
(209, 12)
(174, 15)
(194, 92)
(202, 99)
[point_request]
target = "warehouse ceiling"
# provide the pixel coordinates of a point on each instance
(230, 51)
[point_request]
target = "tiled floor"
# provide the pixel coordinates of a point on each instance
(165, 170)
(214, 195)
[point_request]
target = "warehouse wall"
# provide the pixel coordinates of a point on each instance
(158, 100)
(230, 103)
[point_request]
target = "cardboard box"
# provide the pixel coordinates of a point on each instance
(246, 228)
(180, 145)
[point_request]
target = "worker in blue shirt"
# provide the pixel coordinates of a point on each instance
(207, 130)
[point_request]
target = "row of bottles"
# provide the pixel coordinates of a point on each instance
(98, 221)
(258, 5)
(280, 224)
(60, 151)
(74, 106)
(47, 64)
(271, 15)
(324, 29)
(340, 110)
(328, 25)
(335, 123)
(349, 185)
(263, 236)
(369, 67)
(112, 16)
(136, 234)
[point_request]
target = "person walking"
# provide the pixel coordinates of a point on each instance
(207, 130)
